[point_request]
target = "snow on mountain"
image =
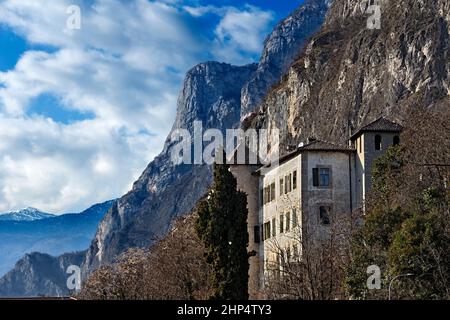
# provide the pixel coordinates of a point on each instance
(27, 214)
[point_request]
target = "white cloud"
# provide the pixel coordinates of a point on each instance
(240, 33)
(243, 31)
(125, 66)
(56, 166)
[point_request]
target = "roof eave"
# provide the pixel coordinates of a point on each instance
(360, 132)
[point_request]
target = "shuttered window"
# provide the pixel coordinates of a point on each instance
(288, 221)
(274, 227)
(321, 177)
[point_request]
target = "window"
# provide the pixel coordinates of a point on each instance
(377, 142)
(269, 193)
(294, 180)
(272, 191)
(360, 145)
(315, 177)
(281, 223)
(288, 183)
(324, 179)
(324, 215)
(288, 221)
(266, 230)
(274, 227)
(257, 234)
(295, 252)
(396, 140)
(282, 259)
(294, 218)
(321, 177)
(281, 186)
(288, 254)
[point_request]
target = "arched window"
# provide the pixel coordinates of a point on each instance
(396, 140)
(377, 142)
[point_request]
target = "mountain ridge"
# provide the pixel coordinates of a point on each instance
(349, 74)
(54, 235)
(26, 214)
(212, 93)
(39, 275)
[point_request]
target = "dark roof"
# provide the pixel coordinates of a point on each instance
(321, 145)
(381, 125)
(316, 145)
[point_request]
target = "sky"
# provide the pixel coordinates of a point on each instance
(83, 111)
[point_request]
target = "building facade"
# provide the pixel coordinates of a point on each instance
(316, 184)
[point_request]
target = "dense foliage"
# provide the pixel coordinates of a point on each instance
(222, 226)
(407, 226)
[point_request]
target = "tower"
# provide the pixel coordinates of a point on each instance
(370, 142)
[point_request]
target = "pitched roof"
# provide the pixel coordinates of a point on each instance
(381, 125)
(321, 145)
(316, 145)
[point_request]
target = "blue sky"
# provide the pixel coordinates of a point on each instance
(82, 112)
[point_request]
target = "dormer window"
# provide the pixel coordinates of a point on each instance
(377, 142)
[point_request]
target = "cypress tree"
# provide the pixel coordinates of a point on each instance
(222, 227)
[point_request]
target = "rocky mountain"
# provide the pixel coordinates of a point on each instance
(334, 80)
(211, 94)
(281, 48)
(27, 214)
(215, 94)
(55, 235)
(350, 74)
(39, 274)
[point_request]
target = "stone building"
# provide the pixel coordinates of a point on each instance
(312, 185)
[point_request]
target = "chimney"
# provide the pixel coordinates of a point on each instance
(291, 148)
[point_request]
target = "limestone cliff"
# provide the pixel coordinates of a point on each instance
(350, 74)
(210, 94)
(38, 274)
(213, 93)
(281, 48)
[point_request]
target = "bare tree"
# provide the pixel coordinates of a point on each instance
(309, 260)
(174, 268)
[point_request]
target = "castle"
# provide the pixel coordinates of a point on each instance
(312, 185)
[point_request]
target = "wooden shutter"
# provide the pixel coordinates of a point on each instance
(315, 177)
(257, 234)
